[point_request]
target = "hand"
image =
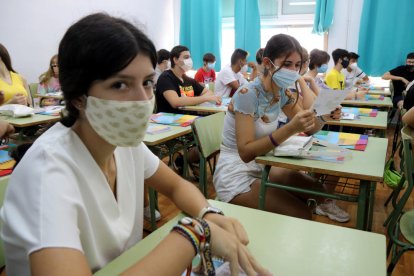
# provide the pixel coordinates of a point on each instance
(5, 129)
(18, 98)
(360, 94)
(231, 225)
(213, 98)
(227, 246)
(308, 78)
(251, 64)
(335, 115)
(303, 121)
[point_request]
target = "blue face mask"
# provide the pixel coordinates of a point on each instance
(285, 77)
(323, 68)
(211, 65)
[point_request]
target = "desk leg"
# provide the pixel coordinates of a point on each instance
(262, 195)
(153, 205)
(362, 205)
(371, 200)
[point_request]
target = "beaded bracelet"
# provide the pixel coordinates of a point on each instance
(273, 140)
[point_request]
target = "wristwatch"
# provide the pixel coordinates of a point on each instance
(209, 209)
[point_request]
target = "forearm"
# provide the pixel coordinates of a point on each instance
(388, 76)
(184, 101)
(162, 260)
(307, 94)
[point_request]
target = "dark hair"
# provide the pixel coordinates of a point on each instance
(282, 45)
(95, 48)
(18, 152)
(237, 55)
(305, 55)
(259, 56)
(162, 55)
(353, 55)
(317, 58)
(410, 56)
(209, 57)
(5, 57)
(176, 52)
(339, 54)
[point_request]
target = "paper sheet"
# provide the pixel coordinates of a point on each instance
(328, 100)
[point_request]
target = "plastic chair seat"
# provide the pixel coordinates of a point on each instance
(407, 225)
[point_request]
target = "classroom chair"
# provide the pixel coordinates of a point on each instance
(402, 223)
(3, 185)
(207, 133)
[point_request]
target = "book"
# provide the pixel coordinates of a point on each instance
(293, 146)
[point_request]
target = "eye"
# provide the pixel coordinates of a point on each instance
(119, 85)
(149, 83)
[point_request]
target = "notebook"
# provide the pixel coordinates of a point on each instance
(293, 146)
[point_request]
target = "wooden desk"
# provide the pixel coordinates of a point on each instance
(367, 166)
(286, 246)
(386, 103)
(34, 120)
(379, 122)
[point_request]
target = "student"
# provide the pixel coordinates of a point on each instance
(74, 202)
(318, 64)
(175, 89)
(250, 131)
(13, 86)
(257, 68)
(230, 77)
(206, 74)
(49, 82)
(409, 97)
(408, 117)
(401, 76)
(353, 74)
(335, 79)
(163, 63)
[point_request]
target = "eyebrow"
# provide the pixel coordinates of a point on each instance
(129, 77)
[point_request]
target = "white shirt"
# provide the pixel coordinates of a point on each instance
(224, 77)
(58, 197)
(352, 77)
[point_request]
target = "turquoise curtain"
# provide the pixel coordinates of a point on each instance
(247, 26)
(200, 29)
(323, 16)
(386, 35)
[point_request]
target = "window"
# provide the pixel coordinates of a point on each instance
(292, 17)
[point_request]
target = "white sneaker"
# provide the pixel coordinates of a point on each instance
(332, 211)
(147, 214)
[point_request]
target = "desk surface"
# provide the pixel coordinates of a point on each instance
(36, 119)
(287, 245)
(174, 132)
(378, 122)
(385, 92)
(363, 165)
(205, 108)
(59, 97)
(372, 103)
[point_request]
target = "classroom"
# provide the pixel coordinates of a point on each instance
(206, 137)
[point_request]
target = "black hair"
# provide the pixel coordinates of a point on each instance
(209, 57)
(95, 48)
(237, 55)
(317, 58)
(176, 52)
(162, 55)
(410, 56)
(259, 56)
(5, 57)
(339, 54)
(353, 55)
(18, 152)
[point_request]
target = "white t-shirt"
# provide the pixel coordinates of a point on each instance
(352, 77)
(58, 197)
(224, 77)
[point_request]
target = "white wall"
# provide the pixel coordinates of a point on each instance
(31, 30)
(344, 32)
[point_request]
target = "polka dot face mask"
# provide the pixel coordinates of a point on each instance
(120, 123)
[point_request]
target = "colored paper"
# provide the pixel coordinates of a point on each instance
(4, 156)
(345, 140)
(173, 119)
(371, 97)
(366, 112)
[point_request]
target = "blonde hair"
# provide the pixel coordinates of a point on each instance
(46, 76)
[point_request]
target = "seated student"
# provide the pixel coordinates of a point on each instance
(230, 77)
(401, 76)
(74, 202)
(163, 63)
(353, 74)
(318, 64)
(408, 117)
(335, 79)
(250, 131)
(206, 74)
(49, 82)
(409, 97)
(175, 89)
(257, 68)
(13, 86)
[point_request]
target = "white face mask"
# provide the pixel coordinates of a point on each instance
(243, 69)
(188, 64)
(120, 123)
(353, 66)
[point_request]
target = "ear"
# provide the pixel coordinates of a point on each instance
(79, 103)
(267, 63)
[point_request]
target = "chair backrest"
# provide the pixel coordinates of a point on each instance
(208, 133)
(407, 136)
(33, 88)
(3, 185)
